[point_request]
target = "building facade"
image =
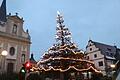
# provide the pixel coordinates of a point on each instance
(102, 55)
(14, 40)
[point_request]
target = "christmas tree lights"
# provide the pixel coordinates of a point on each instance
(64, 56)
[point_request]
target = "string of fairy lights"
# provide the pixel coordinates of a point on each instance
(64, 46)
(62, 58)
(61, 70)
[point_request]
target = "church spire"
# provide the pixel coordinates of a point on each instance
(3, 11)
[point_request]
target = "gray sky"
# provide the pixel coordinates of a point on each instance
(95, 19)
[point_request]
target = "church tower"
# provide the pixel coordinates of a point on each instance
(14, 40)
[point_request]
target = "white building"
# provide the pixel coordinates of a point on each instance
(102, 55)
(14, 40)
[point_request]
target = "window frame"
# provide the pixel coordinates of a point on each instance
(90, 49)
(14, 29)
(100, 63)
(95, 55)
(23, 58)
(12, 51)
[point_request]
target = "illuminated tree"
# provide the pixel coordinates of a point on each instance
(64, 60)
(64, 46)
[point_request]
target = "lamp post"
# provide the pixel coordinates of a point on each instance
(112, 66)
(4, 54)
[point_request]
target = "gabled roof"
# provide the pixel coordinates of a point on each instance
(107, 50)
(3, 11)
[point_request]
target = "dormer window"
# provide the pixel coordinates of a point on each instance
(109, 54)
(14, 30)
(108, 49)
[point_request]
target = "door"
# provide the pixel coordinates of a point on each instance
(10, 67)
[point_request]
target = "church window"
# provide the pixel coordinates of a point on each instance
(12, 51)
(23, 58)
(14, 30)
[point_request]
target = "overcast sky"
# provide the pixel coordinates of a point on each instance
(95, 19)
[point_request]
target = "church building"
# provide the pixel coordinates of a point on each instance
(14, 40)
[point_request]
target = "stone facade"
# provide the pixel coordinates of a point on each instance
(16, 42)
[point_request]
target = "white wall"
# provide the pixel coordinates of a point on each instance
(96, 60)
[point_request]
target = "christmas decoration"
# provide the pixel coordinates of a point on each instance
(64, 61)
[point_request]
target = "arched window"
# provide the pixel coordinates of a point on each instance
(23, 58)
(12, 51)
(14, 30)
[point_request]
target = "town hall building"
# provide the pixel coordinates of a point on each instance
(102, 55)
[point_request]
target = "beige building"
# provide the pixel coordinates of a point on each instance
(14, 40)
(102, 55)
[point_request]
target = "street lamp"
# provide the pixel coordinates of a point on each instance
(3, 54)
(112, 66)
